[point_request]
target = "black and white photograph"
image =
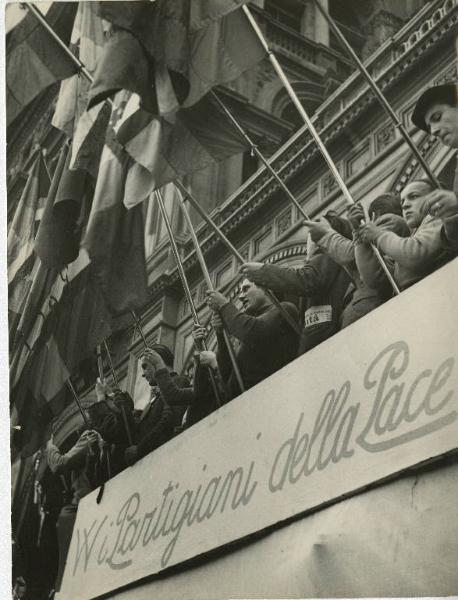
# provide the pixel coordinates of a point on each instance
(232, 286)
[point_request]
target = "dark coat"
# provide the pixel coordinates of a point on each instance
(267, 343)
(156, 423)
(323, 283)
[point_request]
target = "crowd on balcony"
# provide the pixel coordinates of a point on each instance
(342, 280)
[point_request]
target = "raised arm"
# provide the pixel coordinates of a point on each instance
(74, 458)
(413, 252)
(303, 281)
(247, 328)
(173, 394)
(338, 247)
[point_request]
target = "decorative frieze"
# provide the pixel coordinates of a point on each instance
(384, 137)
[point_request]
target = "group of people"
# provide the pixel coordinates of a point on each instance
(341, 281)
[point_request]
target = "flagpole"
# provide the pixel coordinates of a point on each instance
(208, 281)
(378, 93)
(201, 343)
(211, 223)
(78, 403)
(139, 328)
(99, 362)
(191, 349)
(41, 18)
(110, 362)
(259, 154)
(317, 139)
(116, 384)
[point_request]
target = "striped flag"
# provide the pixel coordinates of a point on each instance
(169, 135)
(86, 43)
(21, 232)
(34, 61)
(114, 235)
(200, 44)
(86, 128)
(165, 150)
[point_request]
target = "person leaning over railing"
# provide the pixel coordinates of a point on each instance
(321, 281)
(266, 341)
(436, 112)
(360, 298)
(78, 462)
(156, 423)
(414, 256)
(197, 400)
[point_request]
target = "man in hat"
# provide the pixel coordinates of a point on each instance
(156, 423)
(436, 112)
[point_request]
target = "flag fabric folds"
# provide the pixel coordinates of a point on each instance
(72, 320)
(168, 135)
(164, 151)
(200, 44)
(114, 235)
(21, 231)
(86, 43)
(34, 60)
(86, 128)
(54, 243)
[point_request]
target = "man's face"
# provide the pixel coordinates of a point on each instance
(413, 204)
(252, 297)
(148, 371)
(442, 121)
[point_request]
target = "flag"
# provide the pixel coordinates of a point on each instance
(207, 43)
(34, 60)
(59, 233)
(72, 321)
(128, 61)
(46, 291)
(87, 128)
(21, 232)
(36, 286)
(199, 45)
(114, 235)
(86, 43)
(75, 325)
(164, 151)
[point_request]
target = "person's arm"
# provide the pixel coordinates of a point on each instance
(255, 329)
(160, 433)
(61, 463)
(173, 394)
(415, 251)
(299, 281)
(449, 233)
(338, 247)
(370, 270)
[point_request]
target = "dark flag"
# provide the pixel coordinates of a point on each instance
(34, 60)
(114, 236)
(164, 151)
(21, 231)
(187, 47)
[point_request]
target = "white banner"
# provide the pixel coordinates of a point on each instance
(376, 399)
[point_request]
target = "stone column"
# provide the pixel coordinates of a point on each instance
(313, 24)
